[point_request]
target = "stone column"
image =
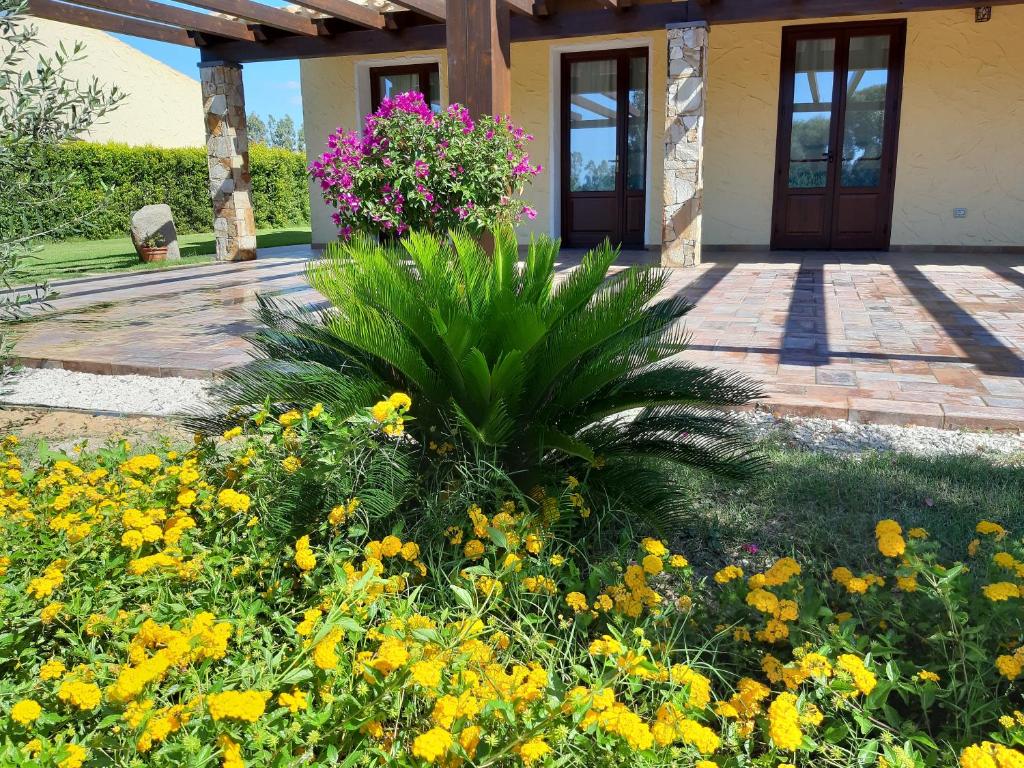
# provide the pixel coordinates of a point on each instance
(227, 157)
(684, 145)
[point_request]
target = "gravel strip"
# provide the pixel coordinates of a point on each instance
(136, 395)
(151, 396)
(846, 437)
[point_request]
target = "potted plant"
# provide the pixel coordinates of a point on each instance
(153, 248)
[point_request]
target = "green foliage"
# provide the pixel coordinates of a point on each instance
(109, 181)
(159, 612)
(40, 107)
(502, 362)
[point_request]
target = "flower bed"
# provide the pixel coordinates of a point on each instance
(275, 597)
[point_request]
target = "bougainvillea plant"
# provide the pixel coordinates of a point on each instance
(412, 168)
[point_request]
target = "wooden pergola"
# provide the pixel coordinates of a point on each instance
(477, 36)
(476, 33)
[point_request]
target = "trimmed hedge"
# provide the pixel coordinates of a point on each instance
(106, 182)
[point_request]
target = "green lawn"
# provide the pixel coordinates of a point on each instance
(825, 507)
(75, 258)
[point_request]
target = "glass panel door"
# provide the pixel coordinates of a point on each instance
(836, 151)
(604, 147)
(593, 125)
(864, 122)
(810, 139)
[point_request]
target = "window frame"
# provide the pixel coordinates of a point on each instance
(423, 70)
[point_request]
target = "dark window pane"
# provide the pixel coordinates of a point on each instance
(593, 111)
(864, 123)
(636, 124)
(812, 113)
(433, 92)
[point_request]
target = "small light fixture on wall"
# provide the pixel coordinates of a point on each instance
(982, 13)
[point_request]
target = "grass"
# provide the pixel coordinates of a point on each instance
(76, 258)
(825, 507)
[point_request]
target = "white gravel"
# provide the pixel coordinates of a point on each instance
(135, 395)
(150, 396)
(845, 437)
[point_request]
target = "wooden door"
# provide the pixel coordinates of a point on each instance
(839, 106)
(604, 147)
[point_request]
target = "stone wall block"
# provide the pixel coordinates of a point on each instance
(227, 153)
(682, 198)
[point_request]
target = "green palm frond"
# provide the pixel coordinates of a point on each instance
(497, 354)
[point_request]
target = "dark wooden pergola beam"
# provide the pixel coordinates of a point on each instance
(258, 13)
(169, 14)
(569, 24)
(108, 22)
(432, 9)
(354, 13)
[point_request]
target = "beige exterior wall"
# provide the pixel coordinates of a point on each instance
(163, 106)
(337, 94)
(960, 131)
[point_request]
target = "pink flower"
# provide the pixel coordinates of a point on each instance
(529, 212)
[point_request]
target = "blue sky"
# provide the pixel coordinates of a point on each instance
(271, 88)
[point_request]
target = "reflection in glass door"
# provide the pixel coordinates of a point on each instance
(604, 147)
(838, 119)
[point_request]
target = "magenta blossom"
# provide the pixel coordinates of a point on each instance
(412, 168)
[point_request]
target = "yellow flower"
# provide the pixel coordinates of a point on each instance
(988, 528)
(863, 679)
(247, 706)
(232, 500)
(382, 411)
(295, 701)
(75, 756)
(316, 410)
(325, 654)
(390, 546)
(400, 401)
(427, 673)
(289, 417)
(432, 745)
(729, 573)
(577, 601)
(654, 547)
(917, 533)
(84, 696)
(653, 564)
(231, 752)
(784, 722)
(291, 464)
(52, 670)
(232, 433)
(304, 557)
(50, 612)
(26, 711)
(533, 750)
(926, 676)
(678, 561)
(1001, 591)
(474, 549)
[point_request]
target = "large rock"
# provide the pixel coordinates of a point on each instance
(153, 219)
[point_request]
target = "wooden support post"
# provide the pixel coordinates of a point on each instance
(479, 56)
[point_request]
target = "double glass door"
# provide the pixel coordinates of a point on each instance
(604, 147)
(838, 122)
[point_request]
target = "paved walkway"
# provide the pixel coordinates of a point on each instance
(935, 340)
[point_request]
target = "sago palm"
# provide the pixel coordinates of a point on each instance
(497, 356)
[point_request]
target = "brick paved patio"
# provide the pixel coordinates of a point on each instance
(930, 339)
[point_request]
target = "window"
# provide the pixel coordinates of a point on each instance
(385, 82)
